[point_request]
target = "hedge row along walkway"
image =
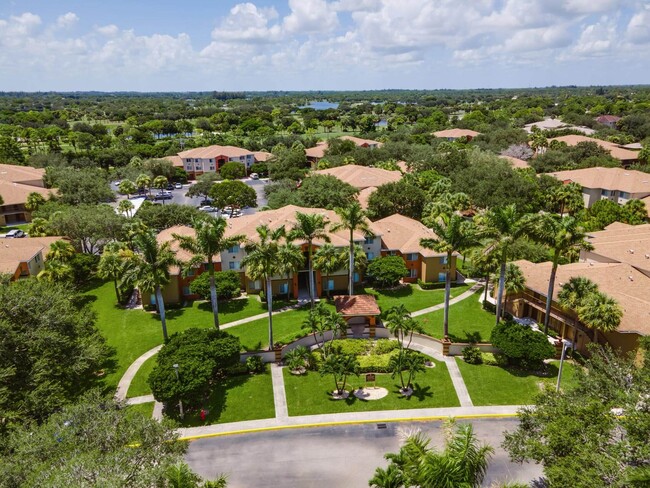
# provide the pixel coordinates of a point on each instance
(282, 418)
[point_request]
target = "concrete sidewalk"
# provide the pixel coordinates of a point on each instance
(348, 418)
(452, 301)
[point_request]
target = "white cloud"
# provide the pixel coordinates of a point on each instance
(67, 20)
(638, 29)
(108, 30)
(248, 23)
(310, 16)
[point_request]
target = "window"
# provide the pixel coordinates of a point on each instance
(605, 193)
(356, 277)
(186, 291)
(624, 194)
(234, 249)
(212, 167)
(412, 256)
(442, 276)
(370, 255)
(152, 299)
(211, 160)
(196, 160)
(191, 272)
(413, 273)
(37, 258)
(369, 240)
(443, 260)
(330, 284)
(392, 253)
(206, 267)
(256, 285)
(241, 158)
(234, 265)
(284, 288)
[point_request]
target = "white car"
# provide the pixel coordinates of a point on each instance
(255, 176)
(178, 186)
(208, 208)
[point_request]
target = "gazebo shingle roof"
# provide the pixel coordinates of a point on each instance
(356, 305)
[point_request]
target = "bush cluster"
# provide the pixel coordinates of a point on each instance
(522, 345)
(228, 284)
(387, 271)
(472, 355)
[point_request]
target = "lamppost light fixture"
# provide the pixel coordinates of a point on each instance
(175, 365)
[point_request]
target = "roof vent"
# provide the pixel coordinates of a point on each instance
(630, 278)
(647, 256)
(631, 251)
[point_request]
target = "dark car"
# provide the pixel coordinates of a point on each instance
(163, 196)
(205, 201)
(170, 186)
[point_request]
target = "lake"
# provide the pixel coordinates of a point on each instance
(320, 105)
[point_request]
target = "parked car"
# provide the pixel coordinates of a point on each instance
(208, 208)
(163, 196)
(15, 233)
(255, 176)
(178, 186)
(170, 186)
(205, 201)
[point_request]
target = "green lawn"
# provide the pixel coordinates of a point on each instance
(494, 385)
(145, 409)
(246, 397)
(466, 318)
(412, 297)
(139, 385)
(310, 394)
(133, 332)
(6, 228)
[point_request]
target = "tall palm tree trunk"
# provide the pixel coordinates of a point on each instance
(312, 284)
(213, 296)
(161, 309)
(549, 295)
(117, 291)
(445, 323)
(502, 284)
(351, 277)
(487, 285)
(269, 307)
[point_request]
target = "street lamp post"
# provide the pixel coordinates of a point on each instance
(180, 402)
(559, 373)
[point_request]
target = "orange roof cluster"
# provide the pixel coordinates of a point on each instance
(318, 151)
(619, 179)
(17, 182)
(516, 162)
(356, 305)
(623, 243)
(615, 150)
(621, 281)
(456, 133)
(16, 251)
(403, 234)
(214, 151)
(362, 176)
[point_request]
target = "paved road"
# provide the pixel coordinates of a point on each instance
(341, 456)
(180, 198)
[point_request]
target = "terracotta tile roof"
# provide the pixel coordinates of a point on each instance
(16, 251)
(214, 151)
(403, 166)
(262, 156)
(646, 200)
(614, 149)
(362, 176)
(176, 161)
(21, 174)
(363, 196)
(516, 162)
(16, 193)
(619, 179)
(356, 305)
(403, 234)
(455, 133)
(361, 142)
(318, 151)
(628, 286)
(607, 118)
(622, 243)
(182, 255)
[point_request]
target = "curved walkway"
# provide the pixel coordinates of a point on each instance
(282, 419)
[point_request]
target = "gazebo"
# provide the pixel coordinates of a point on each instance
(358, 311)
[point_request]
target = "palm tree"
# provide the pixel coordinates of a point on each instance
(61, 251)
(353, 218)
(262, 262)
(569, 197)
(400, 323)
(127, 187)
(309, 227)
(149, 269)
(563, 235)
(112, 264)
(515, 282)
(482, 264)
(208, 241)
(453, 233)
(462, 463)
(329, 259)
(34, 200)
(600, 312)
(502, 226)
(290, 260)
(573, 293)
(56, 271)
(38, 227)
(340, 366)
(126, 207)
(143, 181)
(160, 182)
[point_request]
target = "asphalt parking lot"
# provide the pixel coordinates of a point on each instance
(340, 456)
(178, 195)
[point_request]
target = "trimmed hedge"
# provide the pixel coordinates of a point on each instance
(228, 284)
(521, 344)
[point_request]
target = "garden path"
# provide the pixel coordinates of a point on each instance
(457, 299)
(279, 395)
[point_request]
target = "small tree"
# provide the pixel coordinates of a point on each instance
(126, 207)
(227, 285)
(340, 366)
(387, 271)
(329, 259)
(521, 344)
(234, 194)
(127, 187)
(34, 201)
(232, 171)
(298, 359)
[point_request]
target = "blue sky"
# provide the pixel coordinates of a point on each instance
(321, 44)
